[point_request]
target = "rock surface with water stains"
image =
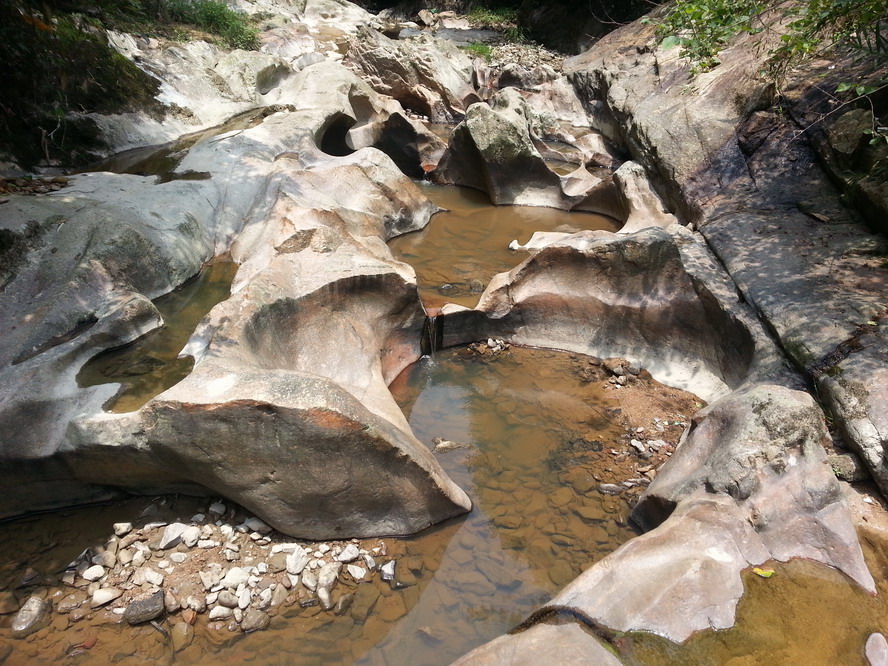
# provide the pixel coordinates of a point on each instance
(492, 150)
(758, 192)
(308, 231)
(650, 299)
(763, 447)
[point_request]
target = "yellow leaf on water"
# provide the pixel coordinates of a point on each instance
(764, 573)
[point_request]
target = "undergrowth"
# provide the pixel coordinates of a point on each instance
(217, 18)
(702, 28)
(57, 62)
(479, 50)
(503, 19)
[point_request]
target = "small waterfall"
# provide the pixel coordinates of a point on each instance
(432, 335)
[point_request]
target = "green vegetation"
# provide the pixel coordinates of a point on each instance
(504, 19)
(216, 18)
(57, 62)
(703, 27)
(479, 50)
(492, 16)
(51, 70)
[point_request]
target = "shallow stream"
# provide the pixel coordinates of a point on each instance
(540, 437)
(463, 247)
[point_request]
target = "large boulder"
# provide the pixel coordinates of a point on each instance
(747, 178)
(493, 150)
(763, 447)
(652, 297)
(287, 409)
(427, 75)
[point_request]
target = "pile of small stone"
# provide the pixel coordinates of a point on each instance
(525, 54)
(238, 573)
(618, 372)
(489, 348)
(32, 186)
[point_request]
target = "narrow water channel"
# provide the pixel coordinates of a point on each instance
(150, 365)
(463, 247)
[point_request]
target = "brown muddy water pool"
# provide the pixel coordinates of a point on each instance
(542, 430)
(463, 247)
(150, 365)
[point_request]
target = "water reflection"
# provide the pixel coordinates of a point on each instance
(149, 366)
(535, 428)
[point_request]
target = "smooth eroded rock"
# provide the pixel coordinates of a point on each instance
(32, 616)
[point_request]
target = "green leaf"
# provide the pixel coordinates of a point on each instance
(764, 573)
(670, 42)
(843, 87)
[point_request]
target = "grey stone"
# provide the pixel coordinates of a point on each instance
(310, 580)
(94, 572)
(349, 554)
(151, 576)
(171, 602)
(234, 577)
(388, 570)
(190, 536)
(356, 572)
(122, 529)
(146, 609)
(181, 635)
(32, 616)
(220, 613)
(172, 535)
(297, 560)
(228, 599)
(254, 620)
(256, 525)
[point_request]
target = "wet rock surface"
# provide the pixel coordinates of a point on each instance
(32, 616)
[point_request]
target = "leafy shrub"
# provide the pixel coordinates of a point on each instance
(479, 50)
(492, 16)
(703, 27)
(215, 17)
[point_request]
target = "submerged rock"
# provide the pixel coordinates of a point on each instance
(876, 650)
(255, 620)
(32, 616)
(568, 643)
